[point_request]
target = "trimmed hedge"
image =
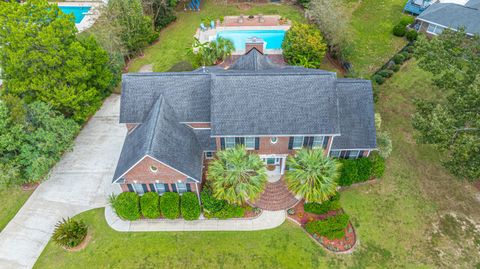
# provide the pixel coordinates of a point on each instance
(325, 207)
(385, 73)
(378, 79)
(150, 205)
(362, 169)
(398, 58)
(189, 206)
(411, 35)
(399, 30)
(214, 208)
(349, 172)
(378, 165)
(170, 205)
(126, 205)
(230, 211)
(332, 228)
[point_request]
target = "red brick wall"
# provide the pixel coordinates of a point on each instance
(143, 174)
(130, 126)
(199, 125)
(250, 46)
(193, 187)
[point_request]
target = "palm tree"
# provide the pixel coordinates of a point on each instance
(312, 175)
(236, 175)
(223, 48)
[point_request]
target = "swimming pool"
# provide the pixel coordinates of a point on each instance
(272, 38)
(78, 12)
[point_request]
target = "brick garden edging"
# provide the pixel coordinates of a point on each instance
(266, 220)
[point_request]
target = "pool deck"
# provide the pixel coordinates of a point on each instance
(89, 18)
(232, 23)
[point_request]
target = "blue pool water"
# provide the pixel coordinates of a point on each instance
(78, 12)
(273, 38)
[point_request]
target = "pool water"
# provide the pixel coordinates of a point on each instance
(272, 38)
(78, 12)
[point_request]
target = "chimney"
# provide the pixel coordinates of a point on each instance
(254, 42)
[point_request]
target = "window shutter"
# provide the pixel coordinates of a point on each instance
(222, 143)
(130, 188)
(174, 187)
(188, 187)
(237, 141)
(152, 187)
(308, 141)
(290, 143)
(343, 154)
(347, 154)
(242, 140)
(325, 142)
(360, 154)
(144, 186)
(257, 143)
(167, 189)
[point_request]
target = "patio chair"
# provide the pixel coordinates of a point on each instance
(202, 27)
(212, 24)
(260, 18)
(240, 19)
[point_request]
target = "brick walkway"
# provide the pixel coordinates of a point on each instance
(276, 197)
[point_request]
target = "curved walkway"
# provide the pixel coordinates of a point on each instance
(266, 220)
(276, 196)
(80, 181)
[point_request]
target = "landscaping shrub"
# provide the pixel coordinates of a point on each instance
(410, 49)
(170, 205)
(406, 55)
(230, 211)
(378, 79)
(399, 30)
(349, 172)
(126, 205)
(69, 233)
(304, 45)
(325, 207)
(364, 169)
(189, 206)
(150, 205)
(215, 208)
(210, 204)
(385, 73)
(411, 35)
(378, 165)
(406, 20)
(398, 58)
(332, 228)
(396, 68)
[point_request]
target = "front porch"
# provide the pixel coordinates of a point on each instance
(276, 196)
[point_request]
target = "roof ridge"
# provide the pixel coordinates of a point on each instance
(158, 105)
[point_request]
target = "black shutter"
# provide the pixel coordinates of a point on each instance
(242, 140)
(144, 186)
(308, 141)
(174, 187)
(152, 187)
(130, 188)
(237, 141)
(188, 187)
(325, 141)
(257, 143)
(222, 143)
(290, 143)
(360, 154)
(343, 154)
(167, 189)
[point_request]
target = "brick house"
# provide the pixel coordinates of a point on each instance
(177, 121)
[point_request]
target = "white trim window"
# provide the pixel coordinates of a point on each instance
(353, 154)
(160, 188)
(181, 187)
(297, 142)
(138, 188)
(209, 155)
(250, 142)
(335, 153)
(435, 29)
(274, 140)
(317, 142)
(229, 142)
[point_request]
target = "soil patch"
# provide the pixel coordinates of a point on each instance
(29, 186)
(82, 245)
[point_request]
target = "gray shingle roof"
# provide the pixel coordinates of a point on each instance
(454, 16)
(273, 104)
(206, 141)
(162, 137)
(253, 60)
(357, 121)
(187, 91)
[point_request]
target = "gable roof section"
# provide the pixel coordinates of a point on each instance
(187, 92)
(253, 60)
(279, 103)
(163, 138)
(356, 115)
(454, 16)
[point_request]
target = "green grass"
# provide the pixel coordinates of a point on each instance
(284, 247)
(11, 200)
(177, 37)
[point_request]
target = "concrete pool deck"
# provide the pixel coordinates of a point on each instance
(89, 18)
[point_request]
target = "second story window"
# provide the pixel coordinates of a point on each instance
(250, 142)
(317, 142)
(297, 142)
(229, 142)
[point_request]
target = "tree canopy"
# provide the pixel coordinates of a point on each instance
(452, 124)
(42, 59)
(304, 45)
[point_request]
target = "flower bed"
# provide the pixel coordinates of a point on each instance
(344, 244)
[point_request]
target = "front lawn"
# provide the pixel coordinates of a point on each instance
(11, 200)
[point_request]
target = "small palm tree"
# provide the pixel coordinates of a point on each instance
(69, 233)
(237, 175)
(312, 175)
(223, 48)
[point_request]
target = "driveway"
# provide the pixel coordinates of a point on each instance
(79, 182)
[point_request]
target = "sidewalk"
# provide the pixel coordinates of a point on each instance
(266, 220)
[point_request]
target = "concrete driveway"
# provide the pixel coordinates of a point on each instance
(79, 182)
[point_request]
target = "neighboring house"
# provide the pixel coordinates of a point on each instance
(177, 121)
(439, 16)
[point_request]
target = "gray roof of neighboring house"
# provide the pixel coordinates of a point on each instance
(273, 104)
(454, 15)
(162, 137)
(357, 120)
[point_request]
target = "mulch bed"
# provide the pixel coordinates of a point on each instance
(82, 245)
(29, 186)
(336, 245)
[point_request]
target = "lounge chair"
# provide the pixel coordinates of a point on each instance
(260, 18)
(212, 24)
(202, 27)
(240, 19)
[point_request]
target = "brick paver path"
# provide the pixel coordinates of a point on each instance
(276, 197)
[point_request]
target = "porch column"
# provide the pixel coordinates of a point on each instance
(282, 167)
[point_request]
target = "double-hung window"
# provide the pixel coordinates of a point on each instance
(250, 142)
(353, 154)
(317, 142)
(434, 29)
(160, 188)
(181, 187)
(335, 153)
(138, 188)
(229, 142)
(297, 142)
(208, 155)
